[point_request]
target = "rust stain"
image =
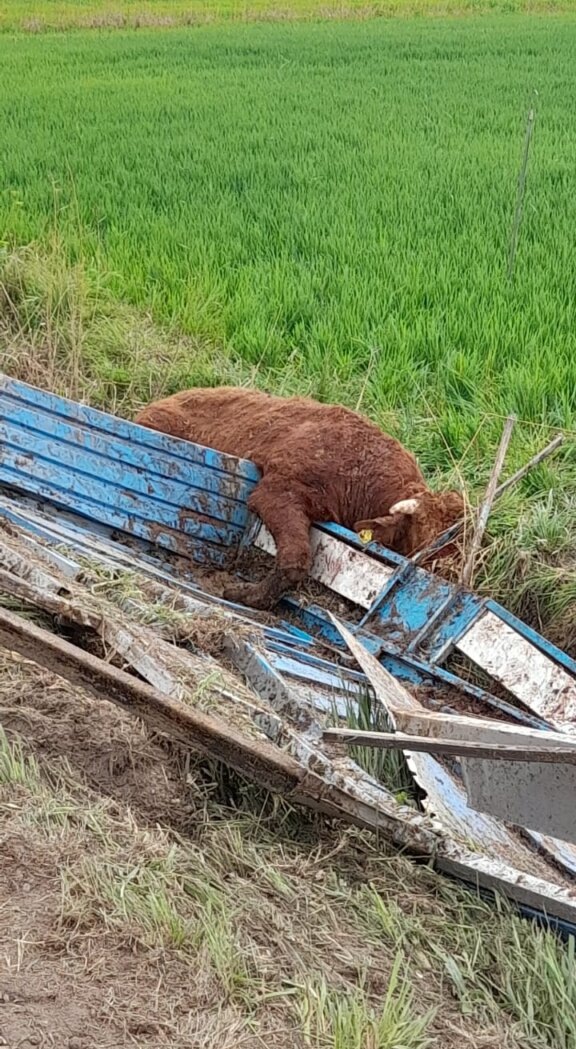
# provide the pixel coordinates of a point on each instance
(200, 518)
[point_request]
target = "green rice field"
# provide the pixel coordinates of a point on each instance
(328, 208)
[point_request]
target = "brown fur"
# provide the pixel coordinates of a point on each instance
(319, 462)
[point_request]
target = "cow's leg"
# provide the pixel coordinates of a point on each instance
(283, 513)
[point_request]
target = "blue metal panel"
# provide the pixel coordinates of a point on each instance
(107, 501)
(411, 598)
(192, 501)
(74, 471)
(169, 492)
(465, 609)
(18, 392)
(379, 553)
(444, 609)
(299, 635)
(315, 619)
(294, 666)
(317, 662)
(398, 578)
(407, 608)
(289, 636)
(152, 473)
(440, 676)
(79, 535)
(201, 552)
(406, 667)
(531, 635)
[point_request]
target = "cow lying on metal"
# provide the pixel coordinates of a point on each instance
(319, 462)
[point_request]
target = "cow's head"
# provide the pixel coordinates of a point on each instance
(412, 524)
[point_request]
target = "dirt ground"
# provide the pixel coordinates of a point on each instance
(148, 899)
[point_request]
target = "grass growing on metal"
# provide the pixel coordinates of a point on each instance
(387, 766)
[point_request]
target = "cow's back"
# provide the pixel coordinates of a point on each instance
(250, 423)
(352, 468)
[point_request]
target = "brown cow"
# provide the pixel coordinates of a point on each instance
(319, 462)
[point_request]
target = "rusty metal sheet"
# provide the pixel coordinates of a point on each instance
(523, 669)
(539, 795)
(445, 794)
(346, 571)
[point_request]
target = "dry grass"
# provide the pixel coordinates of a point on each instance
(280, 929)
(50, 15)
(60, 328)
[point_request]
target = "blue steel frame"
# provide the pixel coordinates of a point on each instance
(106, 475)
(73, 473)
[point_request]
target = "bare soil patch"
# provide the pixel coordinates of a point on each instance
(137, 910)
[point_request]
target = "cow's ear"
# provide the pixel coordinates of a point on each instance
(405, 506)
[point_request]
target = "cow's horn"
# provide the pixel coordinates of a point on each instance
(405, 506)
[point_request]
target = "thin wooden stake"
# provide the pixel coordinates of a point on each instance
(450, 534)
(520, 196)
(538, 458)
(486, 506)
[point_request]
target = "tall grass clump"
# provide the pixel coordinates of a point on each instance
(389, 767)
(61, 328)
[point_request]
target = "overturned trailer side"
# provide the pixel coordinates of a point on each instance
(79, 487)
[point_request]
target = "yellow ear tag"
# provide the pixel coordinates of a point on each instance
(366, 535)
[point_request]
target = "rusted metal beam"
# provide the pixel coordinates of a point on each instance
(453, 747)
(331, 793)
(261, 761)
